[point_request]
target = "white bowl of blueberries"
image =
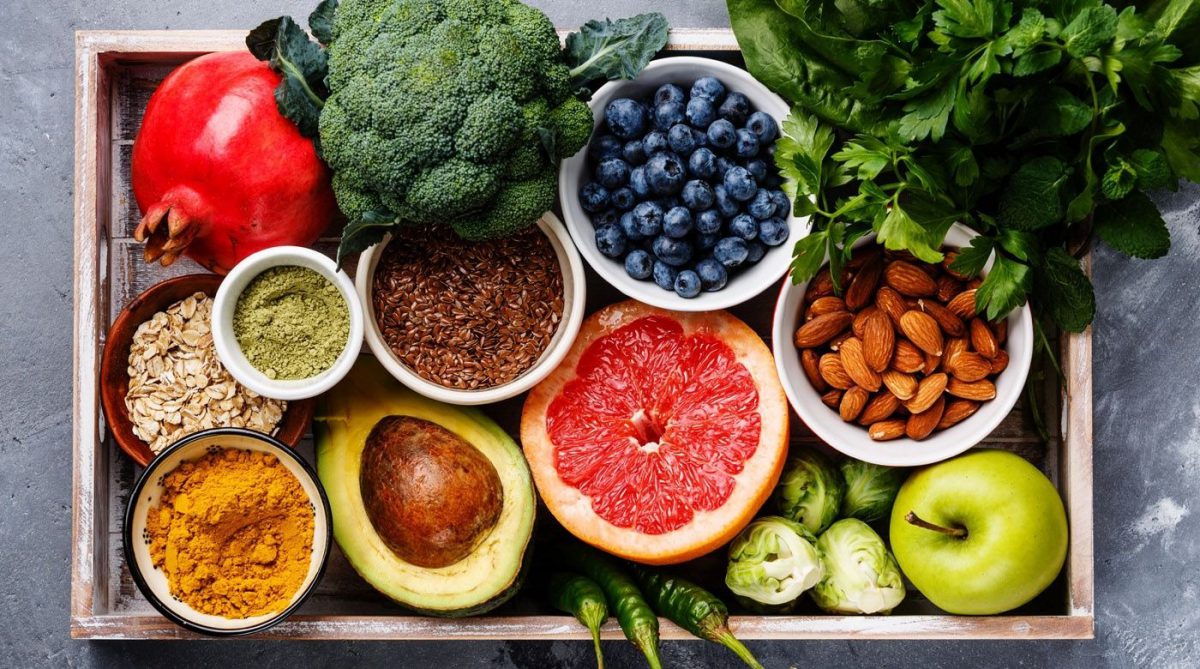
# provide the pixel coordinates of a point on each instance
(676, 200)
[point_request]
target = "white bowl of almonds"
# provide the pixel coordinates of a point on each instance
(898, 369)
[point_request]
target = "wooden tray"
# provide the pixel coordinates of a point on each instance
(116, 71)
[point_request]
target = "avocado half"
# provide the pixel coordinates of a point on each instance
(492, 572)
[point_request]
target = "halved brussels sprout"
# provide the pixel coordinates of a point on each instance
(773, 562)
(810, 490)
(861, 576)
(870, 490)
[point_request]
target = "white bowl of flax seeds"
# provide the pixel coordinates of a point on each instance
(472, 322)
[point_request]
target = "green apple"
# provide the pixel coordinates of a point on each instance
(979, 534)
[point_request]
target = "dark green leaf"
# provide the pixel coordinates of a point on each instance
(923, 238)
(964, 18)
(1118, 180)
(303, 65)
(971, 260)
(1056, 112)
(808, 256)
(1032, 197)
(1004, 288)
(1181, 146)
(926, 117)
(1134, 227)
(605, 50)
(1025, 35)
(1036, 61)
(548, 142)
(320, 22)
(1064, 291)
(1022, 245)
(1152, 170)
(1091, 29)
(961, 163)
(1082, 204)
(866, 155)
(363, 233)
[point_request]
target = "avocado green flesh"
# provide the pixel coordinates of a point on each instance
(493, 571)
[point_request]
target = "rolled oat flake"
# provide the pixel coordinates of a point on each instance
(291, 323)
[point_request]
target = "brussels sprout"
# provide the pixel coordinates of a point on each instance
(870, 490)
(810, 490)
(773, 562)
(861, 575)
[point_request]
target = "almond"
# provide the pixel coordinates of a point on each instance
(832, 371)
(928, 391)
(956, 412)
(836, 343)
(947, 321)
(811, 363)
(879, 340)
(863, 255)
(982, 339)
(954, 348)
(947, 261)
(974, 283)
(908, 279)
(902, 385)
(862, 287)
(932, 362)
(822, 328)
(886, 430)
(980, 391)
(824, 305)
(921, 425)
(948, 287)
(891, 303)
(963, 304)
(1000, 329)
(860, 320)
(922, 330)
(907, 358)
(970, 367)
(999, 363)
(832, 399)
(881, 407)
(853, 402)
(855, 364)
(820, 286)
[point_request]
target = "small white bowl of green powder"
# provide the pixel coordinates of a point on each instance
(287, 323)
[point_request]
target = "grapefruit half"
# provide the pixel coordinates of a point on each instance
(660, 435)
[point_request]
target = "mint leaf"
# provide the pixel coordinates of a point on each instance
(607, 50)
(1032, 197)
(1118, 180)
(971, 260)
(1003, 289)
(1152, 170)
(1089, 30)
(1064, 290)
(1036, 61)
(1058, 112)
(964, 18)
(808, 256)
(1025, 35)
(1134, 227)
(303, 64)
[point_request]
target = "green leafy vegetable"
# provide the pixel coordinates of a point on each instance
(1134, 227)
(608, 49)
(303, 64)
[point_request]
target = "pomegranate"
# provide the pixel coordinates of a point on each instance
(219, 173)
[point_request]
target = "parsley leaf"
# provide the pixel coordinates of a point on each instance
(1003, 289)
(1064, 290)
(800, 153)
(867, 155)
(971, 260)
(1032, 197)
(918, 226)
(808, 256)
(1134, 227)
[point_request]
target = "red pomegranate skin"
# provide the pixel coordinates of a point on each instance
(219, 173)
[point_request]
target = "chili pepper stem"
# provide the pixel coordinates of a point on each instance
(716, 630)
(649, 647)
(596, 643)
(593, 617)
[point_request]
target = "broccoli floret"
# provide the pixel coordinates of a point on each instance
(437, 111)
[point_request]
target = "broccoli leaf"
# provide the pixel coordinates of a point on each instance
(320, 22)
(303, 64)
(1134, 227)
(608, 49)
(1032, 198)
(363, 233)
(1064, 290)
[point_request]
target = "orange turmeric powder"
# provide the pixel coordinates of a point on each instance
(233, 533)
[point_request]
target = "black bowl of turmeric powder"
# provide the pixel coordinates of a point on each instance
(227, 532)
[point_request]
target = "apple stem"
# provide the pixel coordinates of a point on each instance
(957, 532)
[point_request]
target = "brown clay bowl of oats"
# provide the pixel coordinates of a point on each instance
(165, 407)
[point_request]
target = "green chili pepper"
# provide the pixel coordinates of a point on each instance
(693, 608)
(637, 619)
(582, 598)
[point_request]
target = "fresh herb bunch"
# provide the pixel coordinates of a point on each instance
(1034, 122)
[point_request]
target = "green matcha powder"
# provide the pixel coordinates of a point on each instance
(291, 323)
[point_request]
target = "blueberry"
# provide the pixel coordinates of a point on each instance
(724, 165)
(698, 195)
(746, 144)
(669, 203)
(709, 88)
(706, 242)
(721, 134)
(629, 226)
(699, 137)
(655, 141)
(664, 275)
(736, 108)
(638, 264)
(726, 205)
(757, 169)
(665, 173)
(626, 118)
(763, 127)
(731, 251)
(668, 114)
(773, 231)
(709, 222)
(783, 206)
(606, 217)
(739, 184)
(638, 182)
(713, 276)
(755, 252)
(669, 93)
(610, 241)
(702, 163)
(674, 252)
(623, 198)
(681, 140)
(687, 284)
(612, 172)
(677, 222)
(761, 207)
(604, 146)
(649, 218)
(593, 196)
(744, 226)
(700, 112)
(634, 152)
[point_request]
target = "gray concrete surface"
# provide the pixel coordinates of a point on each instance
(1147, 466)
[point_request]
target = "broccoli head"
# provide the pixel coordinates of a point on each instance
(452, 112)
